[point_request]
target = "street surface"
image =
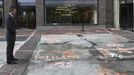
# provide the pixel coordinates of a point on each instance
(70, 54)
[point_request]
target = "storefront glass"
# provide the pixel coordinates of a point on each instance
(70, 12)
(26, 14)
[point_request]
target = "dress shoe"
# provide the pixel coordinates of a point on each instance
(14, 59)
(11, 62)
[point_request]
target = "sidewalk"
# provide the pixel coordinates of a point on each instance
(22, 36)
(64, 51)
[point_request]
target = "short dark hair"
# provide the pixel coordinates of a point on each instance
(12, 8)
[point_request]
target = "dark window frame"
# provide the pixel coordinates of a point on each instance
(2, 6)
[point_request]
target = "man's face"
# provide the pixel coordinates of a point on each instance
(14, 12)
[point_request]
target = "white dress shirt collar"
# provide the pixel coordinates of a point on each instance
(11, 14)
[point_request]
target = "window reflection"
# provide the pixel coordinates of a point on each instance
(71, 11)
(26, 14)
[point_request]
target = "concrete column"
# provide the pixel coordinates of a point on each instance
(116, 14)
(40, 13)
(95, 16)
(14, 3)
(7, 5)
(102, 12)
(109, 13)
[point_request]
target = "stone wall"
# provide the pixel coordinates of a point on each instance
(102, 12)
(109, 13)
(106, 13)
(40, 13)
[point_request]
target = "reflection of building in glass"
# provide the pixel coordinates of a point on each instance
(106, 13)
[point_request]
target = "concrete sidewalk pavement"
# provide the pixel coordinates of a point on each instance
(70, 54)
(21, 37)
(76, 57)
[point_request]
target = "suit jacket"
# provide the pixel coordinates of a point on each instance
(11, 24)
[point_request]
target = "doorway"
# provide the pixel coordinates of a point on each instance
(126, 16)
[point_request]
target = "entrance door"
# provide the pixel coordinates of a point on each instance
(126, 16)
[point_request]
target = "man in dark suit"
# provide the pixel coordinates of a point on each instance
(11, 35)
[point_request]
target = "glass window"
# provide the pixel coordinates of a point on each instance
(126, 14)
(71, 11)
(26, 14)
(1, 13)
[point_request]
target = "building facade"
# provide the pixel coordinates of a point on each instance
(35, 13)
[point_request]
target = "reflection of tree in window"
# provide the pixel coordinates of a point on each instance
(88, 15)
(32, 19)
(24, 18)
